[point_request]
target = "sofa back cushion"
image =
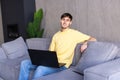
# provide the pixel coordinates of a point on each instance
(118, 44)
(96, 53)
(15, 48)
(2, 54)
(77, 55)
(118, 54)
(38, 43)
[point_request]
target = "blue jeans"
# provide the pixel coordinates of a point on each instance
(27, 66)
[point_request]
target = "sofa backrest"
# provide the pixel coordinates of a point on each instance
(43, 44)
(77, 54)
(96, 53)
(38, 43)
(15, 48)
(2, 54)
(118, 44)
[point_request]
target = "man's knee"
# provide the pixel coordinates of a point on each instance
(25, 63)
(41, 69)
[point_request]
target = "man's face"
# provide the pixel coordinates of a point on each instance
(65, 22)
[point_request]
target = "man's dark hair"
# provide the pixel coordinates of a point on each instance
(66, 15)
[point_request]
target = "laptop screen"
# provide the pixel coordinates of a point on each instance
(43, 57)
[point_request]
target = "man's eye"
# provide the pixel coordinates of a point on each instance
(67, 20)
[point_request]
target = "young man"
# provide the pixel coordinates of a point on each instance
(63, 42)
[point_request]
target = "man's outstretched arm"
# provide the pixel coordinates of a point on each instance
(84, 46)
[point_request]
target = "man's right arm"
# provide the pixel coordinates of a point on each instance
(84, 45)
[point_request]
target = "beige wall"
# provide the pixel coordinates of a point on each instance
(98, 18)
(1, 27)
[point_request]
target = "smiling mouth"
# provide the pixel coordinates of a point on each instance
(64, 24)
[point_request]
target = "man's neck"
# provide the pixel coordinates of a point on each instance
(64, 29)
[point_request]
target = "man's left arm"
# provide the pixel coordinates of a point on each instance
(84, 45)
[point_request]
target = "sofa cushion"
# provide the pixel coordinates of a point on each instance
(118, 54)
(77, 54)
(2, 54)
(106, 71)
(96, 53)
(38, 43)
(8, 66)
(118, 45)
(15, 48)
(67, 74)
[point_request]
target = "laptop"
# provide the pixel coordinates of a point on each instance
(45, 58)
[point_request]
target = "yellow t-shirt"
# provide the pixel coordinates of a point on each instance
(64, 43)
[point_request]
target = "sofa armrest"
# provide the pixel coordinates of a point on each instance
(106, 71)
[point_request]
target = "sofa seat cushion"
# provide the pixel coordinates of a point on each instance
(63, 75)
(15, 48)
(96, 53)
(106, 71)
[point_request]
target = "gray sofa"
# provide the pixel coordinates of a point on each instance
(100, 61)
